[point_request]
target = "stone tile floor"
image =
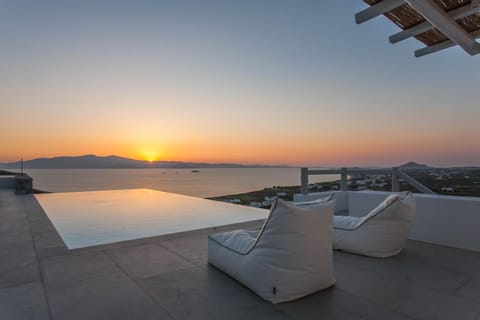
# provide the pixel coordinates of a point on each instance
(167, 277)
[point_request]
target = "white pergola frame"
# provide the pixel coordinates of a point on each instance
(435, 17)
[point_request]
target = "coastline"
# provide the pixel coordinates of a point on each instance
(264, 198)
(452, 182)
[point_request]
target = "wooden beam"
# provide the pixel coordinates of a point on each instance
(445, 24)
(441, 46)
(377, 9)
(456, 14)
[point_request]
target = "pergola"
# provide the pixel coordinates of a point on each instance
(439, 24)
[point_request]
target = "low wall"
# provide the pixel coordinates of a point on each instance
(446, 220)
(21, 183)
(7, 182)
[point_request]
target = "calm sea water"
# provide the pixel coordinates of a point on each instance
(205, 183)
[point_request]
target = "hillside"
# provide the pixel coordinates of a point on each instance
(95, 162)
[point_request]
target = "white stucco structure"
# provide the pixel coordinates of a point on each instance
(446, 220)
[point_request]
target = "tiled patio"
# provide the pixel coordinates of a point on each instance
(167, 277)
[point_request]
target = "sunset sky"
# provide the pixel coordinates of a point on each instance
(254, 81)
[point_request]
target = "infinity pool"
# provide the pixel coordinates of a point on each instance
(98, 217)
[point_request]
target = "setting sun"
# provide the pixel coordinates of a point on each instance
(150, 154)
(192, 95)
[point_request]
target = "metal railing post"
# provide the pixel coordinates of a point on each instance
(304, 181)
(395, 183)
(343, 180)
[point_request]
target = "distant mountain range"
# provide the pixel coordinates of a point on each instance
(115, 162)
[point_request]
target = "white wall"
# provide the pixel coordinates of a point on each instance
(446, 220)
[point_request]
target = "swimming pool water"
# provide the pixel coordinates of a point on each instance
(98, 217)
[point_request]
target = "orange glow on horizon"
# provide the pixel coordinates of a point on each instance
(264, 145)
(163, 82)
(149, 154)
(335, 151)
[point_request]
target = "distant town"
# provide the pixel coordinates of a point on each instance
(462, 181)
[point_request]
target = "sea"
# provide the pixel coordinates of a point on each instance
(208, 182)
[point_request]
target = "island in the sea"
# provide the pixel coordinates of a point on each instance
(115, 162)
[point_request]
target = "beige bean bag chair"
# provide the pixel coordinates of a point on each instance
(290, 257)
(381, 233)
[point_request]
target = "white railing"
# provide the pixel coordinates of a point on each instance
(395, 172)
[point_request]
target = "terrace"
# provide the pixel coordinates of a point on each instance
(436, 276)
(167, 277)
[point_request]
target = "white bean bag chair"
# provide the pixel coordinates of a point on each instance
(290, 257)
(381, 233)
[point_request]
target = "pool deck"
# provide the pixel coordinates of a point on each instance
(167, 277)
